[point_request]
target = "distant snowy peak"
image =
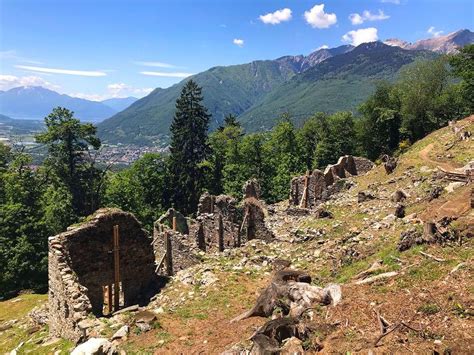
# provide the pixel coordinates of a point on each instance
(447, 44)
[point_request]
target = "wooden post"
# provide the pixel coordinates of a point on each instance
(109, 298)
(201, 241)
(174, 223)
(116, 268)
(220, 231)
(169, 255)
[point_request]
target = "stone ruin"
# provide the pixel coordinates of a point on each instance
(310, 190)
(220, 224)
(85, 263)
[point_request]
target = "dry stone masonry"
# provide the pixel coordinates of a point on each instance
(312, 189)
(81, 264)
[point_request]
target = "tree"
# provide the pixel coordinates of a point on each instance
(338, 138)
(463, 67)
(283, 155)
(68, 158)
(23, 233)
(419, 86)
(140, 189)
(188, 148)
(381, 122)
(308, 137)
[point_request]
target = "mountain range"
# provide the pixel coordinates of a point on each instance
(447, 44)
(259, 92)
(36, 102)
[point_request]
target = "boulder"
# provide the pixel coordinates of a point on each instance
(95, 346)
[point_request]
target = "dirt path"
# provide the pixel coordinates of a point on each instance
(424, 155)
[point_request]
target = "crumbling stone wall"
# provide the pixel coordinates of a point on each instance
(81, 263)
(321, 185)
(254, 221)
(251, 188)
(316, 189)
(207, 222)
(184, 250)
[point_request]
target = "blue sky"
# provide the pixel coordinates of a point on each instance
(103, 48)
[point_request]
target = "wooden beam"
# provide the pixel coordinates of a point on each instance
(109, 298)
(174, 223)
(169, 255)
(220, 233)
(116, 268)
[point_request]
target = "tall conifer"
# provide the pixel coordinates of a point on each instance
(188, 148)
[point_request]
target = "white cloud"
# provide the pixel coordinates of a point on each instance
(317, 18)
(115, 90)
(324, 46)
(274, 18)
(168, 75)
(61, 71)
(238, 42)
(396, 2)
(357, 19)
(156, 64)
(361, 36)
(8, 82)
(433, 32)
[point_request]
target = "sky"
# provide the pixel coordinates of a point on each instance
(102, 48)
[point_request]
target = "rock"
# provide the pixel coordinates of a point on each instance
(409, 238)
(144, 327)
(363, 196)
(95, 346)
(389, 163)
(121, 333)
(208, 278)
(400, 211)
(453, 186)
(293, 346)
(185, 277)
(399, 196)
(145, 317)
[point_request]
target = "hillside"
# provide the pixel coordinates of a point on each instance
(13, 126)
(419, 302)
(233, 89)
(337, 84)
(259, 92)
(36, 102)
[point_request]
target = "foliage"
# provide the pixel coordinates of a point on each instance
(68, 158)
(188, 148)
(463, 67)
(140, 189)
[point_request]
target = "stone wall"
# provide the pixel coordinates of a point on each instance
(316, 189)
(184, 250)
(81, 262)
(254, 221)
(321, 185)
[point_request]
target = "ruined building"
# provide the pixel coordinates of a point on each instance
(93, 268)
(310, 190)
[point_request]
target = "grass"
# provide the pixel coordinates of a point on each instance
(22, 331)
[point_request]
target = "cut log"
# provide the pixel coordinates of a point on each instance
(377, 277)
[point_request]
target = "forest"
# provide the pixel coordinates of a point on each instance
(38, 202)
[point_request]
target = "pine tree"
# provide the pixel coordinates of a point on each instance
(188, 148)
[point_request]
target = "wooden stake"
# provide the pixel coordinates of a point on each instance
(169, 255)
(109, 298)
(174, 223)
(116, 268)
(220, 232)
(304, 197)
